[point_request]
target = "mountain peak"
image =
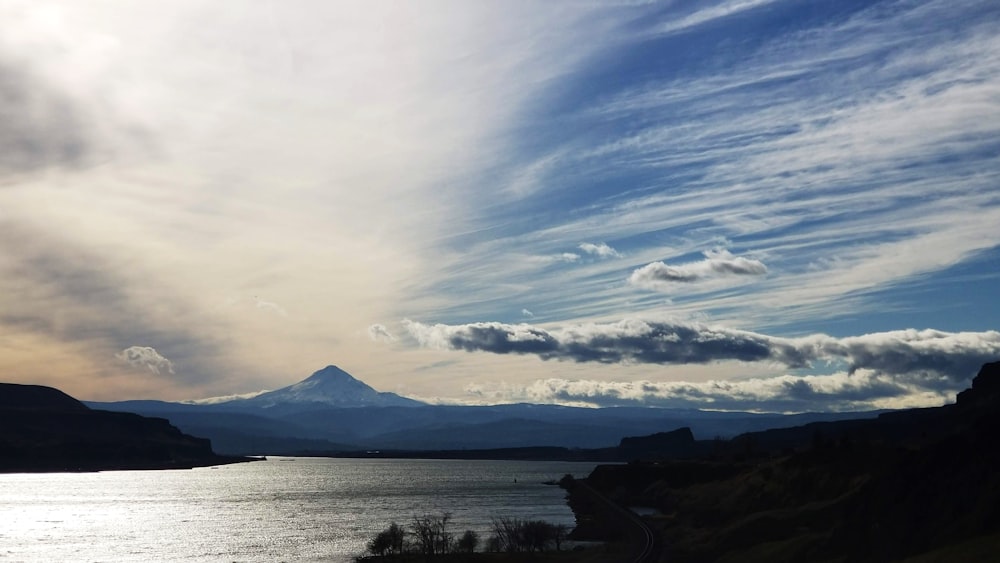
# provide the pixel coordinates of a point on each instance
(335, 387)
(331, 372)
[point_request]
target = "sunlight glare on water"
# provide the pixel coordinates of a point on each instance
(306, 509)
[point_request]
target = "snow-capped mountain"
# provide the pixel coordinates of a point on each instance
(332, 411)
(331, 386)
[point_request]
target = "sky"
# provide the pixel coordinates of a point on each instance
(765, 205)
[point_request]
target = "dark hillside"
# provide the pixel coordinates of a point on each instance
(43, 429)
(902, 485)
(37, 397)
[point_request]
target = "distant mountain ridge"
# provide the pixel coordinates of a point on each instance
(330, 386)
(331, 411)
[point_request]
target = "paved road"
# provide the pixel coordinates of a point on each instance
(641, 536)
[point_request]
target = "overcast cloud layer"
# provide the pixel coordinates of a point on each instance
(793, 205)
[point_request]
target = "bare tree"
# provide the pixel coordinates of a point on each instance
(513, 535)
(431, 534)
(397, 537)
(506, 534)
(559, 534)
(536, 534)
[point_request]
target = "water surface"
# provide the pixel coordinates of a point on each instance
(304, 509)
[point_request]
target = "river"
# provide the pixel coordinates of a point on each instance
(282, 509)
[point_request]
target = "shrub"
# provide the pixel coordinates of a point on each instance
(389, 541)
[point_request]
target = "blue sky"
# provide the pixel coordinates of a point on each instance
(763, 205)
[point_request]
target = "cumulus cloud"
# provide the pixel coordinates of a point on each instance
(600, 250)
(902, 351)
(146, 357)
(379, 333)
(957, 355)
(717, 263)
(841, 391)
(527, 313)
(625, 341)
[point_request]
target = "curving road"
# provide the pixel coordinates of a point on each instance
(642, 537)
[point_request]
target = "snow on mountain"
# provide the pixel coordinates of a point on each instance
(331, 386)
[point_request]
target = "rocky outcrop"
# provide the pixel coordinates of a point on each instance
(985, 390)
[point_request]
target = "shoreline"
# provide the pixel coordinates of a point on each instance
(75, 467)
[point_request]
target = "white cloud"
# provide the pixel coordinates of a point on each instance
(146, 357)
(809, 149)
(440, 161)
(319, 152)
(601, 250)
(863, 390)
(564, 257)
(531, 177)
(717, 263)
(378, 332)
(224, 398)
(706, 15)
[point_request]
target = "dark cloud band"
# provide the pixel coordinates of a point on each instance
(956, 355)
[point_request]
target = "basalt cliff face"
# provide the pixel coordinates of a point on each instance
(44, 429)
(907, 486)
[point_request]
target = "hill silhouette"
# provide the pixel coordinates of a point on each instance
(907, 483)
(44, 429)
